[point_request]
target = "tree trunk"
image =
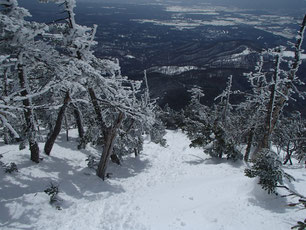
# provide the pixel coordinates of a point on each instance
(67, 127)
(136, 152)
(292, 75)
(28, 114)
(57, 128)
(79, 121)
(6, 135)
(288, 155)
(274, 108)
(97, 109)
(110, 138)
(109, 134)
(249, 145)
(268, 128)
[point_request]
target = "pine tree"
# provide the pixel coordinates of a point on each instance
(282, 85)
(268, 168)
(25, 56)
(277, 91)
(226, 135)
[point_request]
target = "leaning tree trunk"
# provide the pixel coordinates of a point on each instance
(110, 138)
(28, 114)
(97, 109)
(109, 134)
(57, 128)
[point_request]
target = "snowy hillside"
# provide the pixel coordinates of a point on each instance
(166, 188)
(172, 70)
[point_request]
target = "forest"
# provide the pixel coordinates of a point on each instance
(52, 84)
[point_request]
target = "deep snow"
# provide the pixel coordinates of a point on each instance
(165, 188)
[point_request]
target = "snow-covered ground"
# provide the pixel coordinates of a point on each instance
(225, 16)
(165, 188)
(172, 70)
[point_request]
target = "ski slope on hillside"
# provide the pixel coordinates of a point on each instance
(165, 188)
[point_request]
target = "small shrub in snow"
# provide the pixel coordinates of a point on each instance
(22, 145)
(267, 167)
(12, 167)
(157, 133)
(53, 191)
(222, 145)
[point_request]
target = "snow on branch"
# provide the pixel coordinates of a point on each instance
(8, 125)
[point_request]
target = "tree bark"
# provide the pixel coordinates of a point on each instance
(67, 127)
(97, 109)
(111, 135)
(288, 155)
(28, 114)
(57, 128)
(79, 121)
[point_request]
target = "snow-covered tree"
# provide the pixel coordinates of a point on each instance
(225, 129)
(28, 56)
(112, 106)
(268, 168)
(197, 121)
(114, 98)
(251, 111)
(289, 135)
(8, 111)
(282, 85)
(214, 129)
(172, 119)
(279, 86)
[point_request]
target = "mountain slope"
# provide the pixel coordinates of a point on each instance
(166, 188)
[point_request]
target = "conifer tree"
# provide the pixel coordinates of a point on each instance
(26, 63)
(282, 85)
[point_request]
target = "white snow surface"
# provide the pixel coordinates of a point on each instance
(172, 70)
(220, 16)
(165, 188)
(288, 53)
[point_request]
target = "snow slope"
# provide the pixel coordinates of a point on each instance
(166, 188)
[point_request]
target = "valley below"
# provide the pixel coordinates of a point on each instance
(183, 46)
